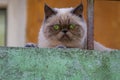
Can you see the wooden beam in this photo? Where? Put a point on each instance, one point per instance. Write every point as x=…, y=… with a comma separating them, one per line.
x=90, y=24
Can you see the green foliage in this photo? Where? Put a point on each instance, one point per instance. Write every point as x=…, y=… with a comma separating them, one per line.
x=58, y=64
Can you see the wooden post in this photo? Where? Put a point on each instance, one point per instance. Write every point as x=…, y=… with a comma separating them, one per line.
x=90, y=24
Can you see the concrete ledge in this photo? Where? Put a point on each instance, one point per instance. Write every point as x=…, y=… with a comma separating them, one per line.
x=58, y=64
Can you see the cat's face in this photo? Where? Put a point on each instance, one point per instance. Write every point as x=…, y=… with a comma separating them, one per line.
x=64, y=25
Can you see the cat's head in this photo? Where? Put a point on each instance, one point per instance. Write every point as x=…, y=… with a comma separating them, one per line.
x=64, y=24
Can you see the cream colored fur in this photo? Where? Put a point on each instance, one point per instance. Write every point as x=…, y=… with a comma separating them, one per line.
x=46, y=43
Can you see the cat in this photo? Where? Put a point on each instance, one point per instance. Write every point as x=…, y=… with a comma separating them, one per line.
x=65, y=27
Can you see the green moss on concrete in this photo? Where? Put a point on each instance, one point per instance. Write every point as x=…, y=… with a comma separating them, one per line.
x=58, y=64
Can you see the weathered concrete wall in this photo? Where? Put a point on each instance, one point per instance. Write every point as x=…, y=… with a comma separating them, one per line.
x=16, y=21
x=58, y=64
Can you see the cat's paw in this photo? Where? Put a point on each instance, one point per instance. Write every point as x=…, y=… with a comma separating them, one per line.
x=31, y=45
x=61, y=46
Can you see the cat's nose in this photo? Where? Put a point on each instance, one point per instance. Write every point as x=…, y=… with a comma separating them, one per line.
x=64, y=31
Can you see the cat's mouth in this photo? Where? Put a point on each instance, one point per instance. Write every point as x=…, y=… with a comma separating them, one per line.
x=65, y=38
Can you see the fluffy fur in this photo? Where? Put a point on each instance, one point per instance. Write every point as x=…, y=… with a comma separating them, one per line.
x=73, y=38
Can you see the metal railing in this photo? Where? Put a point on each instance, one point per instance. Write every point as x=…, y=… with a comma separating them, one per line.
x=90, y=24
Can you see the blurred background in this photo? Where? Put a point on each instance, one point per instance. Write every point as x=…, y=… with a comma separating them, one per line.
x=20, y=20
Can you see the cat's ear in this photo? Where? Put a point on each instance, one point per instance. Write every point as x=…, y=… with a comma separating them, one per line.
x=78, y=10
x=48, y=11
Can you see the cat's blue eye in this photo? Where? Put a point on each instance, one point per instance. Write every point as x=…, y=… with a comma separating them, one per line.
x=71, y=26
x=56, y=27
